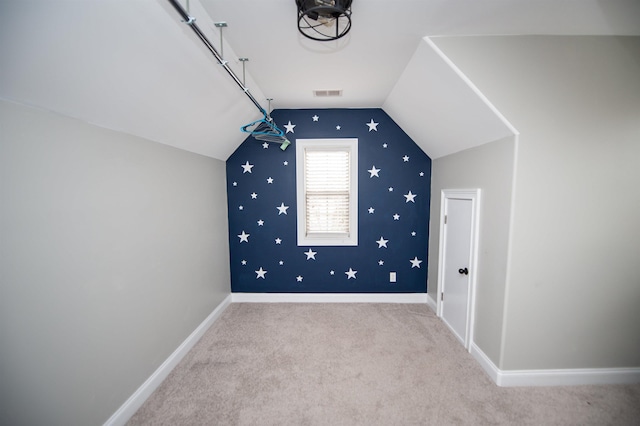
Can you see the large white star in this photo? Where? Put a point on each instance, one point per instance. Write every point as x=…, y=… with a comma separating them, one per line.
x=415, y=263
x=410, y=197
x=382, y=242
x=373, y=171
x=373, y=125
x=244, y=237
x=260, y=273
x=282, y=209
x=351, y=274
x=246, y=168
x=311, y=254
x=289, y=127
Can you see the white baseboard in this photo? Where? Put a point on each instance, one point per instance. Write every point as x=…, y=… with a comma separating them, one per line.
x=329, y=297
x=559, y=377
x=431, y=302
x=135, y=401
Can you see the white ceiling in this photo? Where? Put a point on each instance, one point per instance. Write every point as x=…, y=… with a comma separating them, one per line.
x=132, y=66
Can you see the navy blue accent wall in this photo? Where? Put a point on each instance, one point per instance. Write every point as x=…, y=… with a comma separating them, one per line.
x=393, y=210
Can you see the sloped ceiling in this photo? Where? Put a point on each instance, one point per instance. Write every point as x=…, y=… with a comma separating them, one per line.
x=134, y=67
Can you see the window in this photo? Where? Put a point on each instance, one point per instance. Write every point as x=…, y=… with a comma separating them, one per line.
x=327, y=190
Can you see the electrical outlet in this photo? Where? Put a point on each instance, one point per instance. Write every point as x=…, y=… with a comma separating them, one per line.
x=392, y=277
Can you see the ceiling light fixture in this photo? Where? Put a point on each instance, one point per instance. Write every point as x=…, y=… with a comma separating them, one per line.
x=324, y=20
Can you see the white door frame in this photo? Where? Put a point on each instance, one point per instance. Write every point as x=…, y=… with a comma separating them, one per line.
x=474, y=196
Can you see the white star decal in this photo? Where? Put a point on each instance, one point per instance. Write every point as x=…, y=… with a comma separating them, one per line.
x=278, y=241
x=413, y=233
x=332, y=272
x=244, y=237
x=260, y=222
x=373, y=171
x=380, y=262
x=281, y=263
x=282, y=209
x=421, y=174
x=384, y=145
x=405, y=158
x=311, y=254
x=286, y=163
x=269, y=179
x=382, y=242
x=371, y=210
x=246, y=167
x=289, y=127
x=396, y=216
x=260, y=273
x=315, y=118
x=240, y=207
x=235, y=184
x=254, y=195
x=265, y=145
x=351, y=274
x=244, y=262
x=338, y=127
x=391, y=189
x=410, y=197
x=372, y=125
x=299, y=278
x=415, y=263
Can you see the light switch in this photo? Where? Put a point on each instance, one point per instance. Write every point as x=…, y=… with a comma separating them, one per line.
x=392, y=277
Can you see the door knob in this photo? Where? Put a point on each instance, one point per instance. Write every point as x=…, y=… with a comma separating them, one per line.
x=464, y=271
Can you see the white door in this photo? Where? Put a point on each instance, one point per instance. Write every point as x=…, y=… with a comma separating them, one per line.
x=457, y=249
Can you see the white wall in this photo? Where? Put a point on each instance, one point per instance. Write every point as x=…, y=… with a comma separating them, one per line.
x=490, y=168
x=113, y=249
x=573, y=293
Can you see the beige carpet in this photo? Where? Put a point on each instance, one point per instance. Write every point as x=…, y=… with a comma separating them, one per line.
x=357, y=364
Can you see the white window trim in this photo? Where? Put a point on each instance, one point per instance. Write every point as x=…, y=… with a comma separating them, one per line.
x=327, y=240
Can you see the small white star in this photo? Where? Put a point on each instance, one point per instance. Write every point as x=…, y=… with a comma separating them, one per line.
x=289, y=127
x=299, y=278
x=374, y=172
x=410, y=197
x=405, y=158
x=332, y=272
x=351, y=274
x=246, y=168
x=281, y=263
x=415, y=263
x=380, y=262
x=286, y=163
x=244, y=237
x=254, y=195
x=260, y=273
x=421, y=174
x=278, y=241
x=315, y=118
x=235, y=184
x=382, y=242
x=260, y=222
x=311, y=254
x=338, y=127
x=384, y=145
x=391, y=189
x=371, y=210
x=244, y=262
x=240, y=207
x=282, y=209
x=413, y=233
x=396, y=216
x=373, y=125
x=265, y=145
x=269, y=179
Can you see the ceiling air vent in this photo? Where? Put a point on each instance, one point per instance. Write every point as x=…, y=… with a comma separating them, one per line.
x=327, y=93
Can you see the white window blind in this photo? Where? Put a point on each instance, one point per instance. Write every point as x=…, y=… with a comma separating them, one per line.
x=327, y=190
